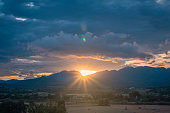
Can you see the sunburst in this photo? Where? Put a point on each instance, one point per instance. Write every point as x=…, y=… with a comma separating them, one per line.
x=87, y=72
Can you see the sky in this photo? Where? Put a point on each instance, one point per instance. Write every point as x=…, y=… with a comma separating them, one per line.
x=41, y=37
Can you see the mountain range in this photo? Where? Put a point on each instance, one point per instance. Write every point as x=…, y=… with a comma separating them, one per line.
x=126, y=77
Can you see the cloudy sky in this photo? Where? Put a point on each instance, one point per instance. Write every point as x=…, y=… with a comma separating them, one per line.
x=40, y=37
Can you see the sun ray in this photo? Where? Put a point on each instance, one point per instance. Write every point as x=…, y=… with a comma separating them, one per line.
x=74, y=82
x=96, y=82
x=85, y=81
x=85, y=86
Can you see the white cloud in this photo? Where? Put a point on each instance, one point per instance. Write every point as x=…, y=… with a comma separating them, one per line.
x=159, y=60
x=30, y=4
x=159, y=1
x=27, y=61
x=162, y=2
x=21, y=19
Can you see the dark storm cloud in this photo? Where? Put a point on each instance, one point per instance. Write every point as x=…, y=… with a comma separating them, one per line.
x=114, y=14
x=24, y=22
x=109, y=45
x=142, y=18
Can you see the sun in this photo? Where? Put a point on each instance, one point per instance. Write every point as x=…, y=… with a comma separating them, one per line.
x=87, y=72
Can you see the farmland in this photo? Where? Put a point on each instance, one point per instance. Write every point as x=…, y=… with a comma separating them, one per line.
x=90, y=108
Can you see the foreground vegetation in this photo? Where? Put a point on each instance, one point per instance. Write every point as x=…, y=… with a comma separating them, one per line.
x=51, y=100
x=21, y=107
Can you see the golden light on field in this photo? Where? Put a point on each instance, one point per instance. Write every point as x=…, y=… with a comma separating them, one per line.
x=87, y=72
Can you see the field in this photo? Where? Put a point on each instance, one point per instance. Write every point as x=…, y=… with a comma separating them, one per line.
x=87, y=108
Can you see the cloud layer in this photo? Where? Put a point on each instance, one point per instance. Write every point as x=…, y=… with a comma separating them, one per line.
x=109, y=45
x=110, y=33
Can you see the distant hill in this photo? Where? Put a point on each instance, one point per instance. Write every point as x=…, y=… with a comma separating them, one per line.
x=138, y=77
x=1, y=81
x=126, y=77
x=58, y=80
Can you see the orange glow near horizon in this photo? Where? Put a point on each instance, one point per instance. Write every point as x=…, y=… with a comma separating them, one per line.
x=11, y=77
x=87, y=72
